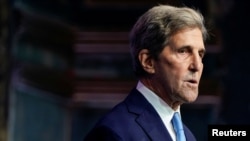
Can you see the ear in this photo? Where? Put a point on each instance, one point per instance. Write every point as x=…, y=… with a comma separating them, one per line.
x=146, y=61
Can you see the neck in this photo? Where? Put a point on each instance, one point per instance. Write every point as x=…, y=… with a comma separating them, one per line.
x=158, y=90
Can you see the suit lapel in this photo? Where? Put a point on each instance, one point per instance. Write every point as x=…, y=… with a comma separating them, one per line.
x=189, y=135
x=147, y=118
x=153, y=126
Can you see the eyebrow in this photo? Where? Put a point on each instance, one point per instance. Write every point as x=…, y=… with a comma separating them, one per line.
x=190, y=47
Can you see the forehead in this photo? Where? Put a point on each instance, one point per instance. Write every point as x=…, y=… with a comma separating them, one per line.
x=188, y=37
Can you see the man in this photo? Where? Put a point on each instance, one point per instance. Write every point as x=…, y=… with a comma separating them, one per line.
x=167, y=47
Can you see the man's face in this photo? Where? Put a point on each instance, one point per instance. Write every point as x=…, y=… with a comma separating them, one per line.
x=179, y=68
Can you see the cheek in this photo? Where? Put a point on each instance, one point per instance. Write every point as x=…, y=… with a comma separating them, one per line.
x=178, y=71
x=173, y=76
x=171, y=69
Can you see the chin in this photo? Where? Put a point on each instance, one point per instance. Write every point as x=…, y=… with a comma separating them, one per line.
x=191, y=97
x=191, y=100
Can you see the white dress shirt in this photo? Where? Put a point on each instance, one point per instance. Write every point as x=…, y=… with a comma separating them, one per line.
x=163, y=109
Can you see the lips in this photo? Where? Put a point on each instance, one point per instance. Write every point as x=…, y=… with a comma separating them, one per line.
x=192, y=81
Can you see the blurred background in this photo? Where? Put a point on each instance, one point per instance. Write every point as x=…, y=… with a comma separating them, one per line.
x=64, y=63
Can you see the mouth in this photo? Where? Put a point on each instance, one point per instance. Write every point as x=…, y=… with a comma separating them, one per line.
x=192, y=81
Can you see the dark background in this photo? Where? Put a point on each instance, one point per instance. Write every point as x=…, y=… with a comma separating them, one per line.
x=64, y=63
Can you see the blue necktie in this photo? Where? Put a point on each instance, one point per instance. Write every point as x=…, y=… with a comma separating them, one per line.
x=177, y=124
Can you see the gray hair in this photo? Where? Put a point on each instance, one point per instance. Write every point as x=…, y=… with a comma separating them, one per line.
x=155, y=27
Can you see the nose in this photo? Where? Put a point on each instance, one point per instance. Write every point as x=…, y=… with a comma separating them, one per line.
x=196, y=63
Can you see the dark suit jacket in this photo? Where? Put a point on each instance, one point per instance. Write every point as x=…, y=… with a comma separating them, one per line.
x=134, y=119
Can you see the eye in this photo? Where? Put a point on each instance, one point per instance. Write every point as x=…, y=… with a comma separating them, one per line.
x=183, y=52
x=202, y=53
